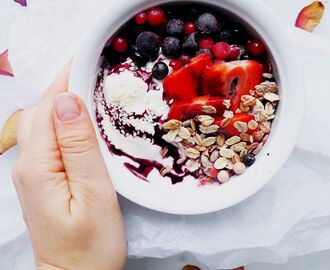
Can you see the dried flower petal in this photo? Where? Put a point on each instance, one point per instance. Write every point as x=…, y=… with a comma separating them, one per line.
x=8, y=136
x=310, y=16
x=21, y=2
x=5, y=67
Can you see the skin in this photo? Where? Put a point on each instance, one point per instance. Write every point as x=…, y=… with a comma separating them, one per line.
x=68, y=201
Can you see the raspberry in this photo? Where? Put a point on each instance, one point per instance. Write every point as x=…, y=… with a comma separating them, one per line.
x=189, y=28
x=155, y=16
x=141, y=18
x=221, y=50
x=119, y=44
x=206, y=43
x=255, y=46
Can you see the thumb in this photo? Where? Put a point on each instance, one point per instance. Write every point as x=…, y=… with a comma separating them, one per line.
x=81, y=155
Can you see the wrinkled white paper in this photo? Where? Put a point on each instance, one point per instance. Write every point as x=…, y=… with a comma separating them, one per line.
x=289, y=217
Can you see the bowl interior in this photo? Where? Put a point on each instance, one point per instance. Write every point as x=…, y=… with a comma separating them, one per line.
x=186, y=197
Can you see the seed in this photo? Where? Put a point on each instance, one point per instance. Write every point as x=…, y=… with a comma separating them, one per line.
x=193, y=124
x=214, y=156
x=198, y=139
x=209, y=141
x=228, y=114
x=245, y=137
x=200, y=148
x=192, y=153
x=248, y=101
x=209, y=130
x=257, y=136
x=257, y=150
x=265, y=127
x=233, y=140
x=205, y=161
x=209, y=109
x=223, y=176
x=241, y=126
x=220, y=163
x=262, y=116
x=220, y=140
x=252, y=125
x=207, y=123
x=258, y=107
x=271, y=97
x=243, y=153
x=184, y=133
x=204, y=117
x=236, y=158
x=227, y=153
x=225, y=122
x=172, y=124
x=244, y=108
x=239, y=168
x=165, y=171
x=227, y=103
x=238, y=147
x=191, y=131
x=171, y=135
x=192, y=165
x=178, y=139
x=251, y=147
x=213, y=148
x=269, y=108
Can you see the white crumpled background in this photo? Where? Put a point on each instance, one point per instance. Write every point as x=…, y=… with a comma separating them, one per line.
x=289, y=217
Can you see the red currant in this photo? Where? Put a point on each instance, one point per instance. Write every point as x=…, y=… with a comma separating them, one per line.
x=234, y=52
x=175, y=64
x=119, y=44
x=206, y=43
x=221, y=50
x=141, y=18
x=255, y=46
x=155, y=16
x=189, y=28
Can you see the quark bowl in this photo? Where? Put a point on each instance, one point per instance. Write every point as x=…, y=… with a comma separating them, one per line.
x=186, y=198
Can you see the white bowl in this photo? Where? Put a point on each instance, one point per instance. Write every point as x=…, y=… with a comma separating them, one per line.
x=187, y=197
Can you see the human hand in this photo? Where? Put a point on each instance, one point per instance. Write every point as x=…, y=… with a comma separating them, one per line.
x=66, y=194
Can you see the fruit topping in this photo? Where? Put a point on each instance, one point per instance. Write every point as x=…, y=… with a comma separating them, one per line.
x=207, y=24
x=175, y=27
x=155, y=16
x=221, y=50
x=206, y=43
x=231, y=79
x=228, y=36
x=137, y=57
x=255, y=46
x=186, y=109
x=160, y=70
x=249, y=160
x=235, y=52
x=171, y=47
x=175, y=64
x=189, y=28
x=148, y=44
x=205, y=51
x=190, y=45
x=119, y=44
x=141, y=18
x=184, y=83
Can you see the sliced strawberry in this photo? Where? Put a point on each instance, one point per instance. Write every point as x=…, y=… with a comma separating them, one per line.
x=229, y=128
x=218, y=79
x=183, y=84
x=185, y=109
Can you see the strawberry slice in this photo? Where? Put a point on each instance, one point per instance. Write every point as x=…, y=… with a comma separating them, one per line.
x=229, y=128
x=219, y=79
x=183, y=84
x=185, y=109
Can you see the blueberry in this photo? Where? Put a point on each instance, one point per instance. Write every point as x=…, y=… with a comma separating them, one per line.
x=138, y=58
x=171, y=47
x=207, y=51
x=249, y=159
x=190, y=46
x=245, y=56
x=207, y=24
x=175, y=27
x=227, y=36
x=160, y=70
x=148, y=44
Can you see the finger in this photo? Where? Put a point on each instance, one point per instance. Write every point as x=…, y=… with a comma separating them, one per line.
x=81, y=155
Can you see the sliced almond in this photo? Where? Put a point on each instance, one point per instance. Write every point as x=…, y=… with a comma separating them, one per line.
x=241, y=126
x=172, y=124
x=209, y=130
x=252, y=125
x=184, y=133
x=192, y=165
x=233, y=140
x=209, y=109
x=271, y=97
x=192, y=153
x=227, y=153
x=209, y=141
x=220, y=163
x=171, y=134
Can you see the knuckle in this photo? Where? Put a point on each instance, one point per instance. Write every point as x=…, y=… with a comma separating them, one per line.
x=76, y=141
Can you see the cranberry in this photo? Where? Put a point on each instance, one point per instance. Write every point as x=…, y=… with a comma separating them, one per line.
x=255, y=46
x=155, y=16
x=175, y=64
x=141, y=18
x=206, y=43
x=189, y=28
x=221, y=50
x=119, y=44
x=234, y=52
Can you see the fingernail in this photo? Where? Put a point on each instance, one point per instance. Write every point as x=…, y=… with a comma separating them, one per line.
x=67, y=108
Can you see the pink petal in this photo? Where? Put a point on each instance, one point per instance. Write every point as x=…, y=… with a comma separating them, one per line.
x=5, y=68
x=310, y=16
x=21, y=2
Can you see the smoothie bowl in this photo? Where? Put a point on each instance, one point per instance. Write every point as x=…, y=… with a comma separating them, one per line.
x=195, y=104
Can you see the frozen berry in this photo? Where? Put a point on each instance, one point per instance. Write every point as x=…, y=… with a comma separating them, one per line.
x=184, y=58
x=189, y=28
x=205, y=51
x=141, y=18
x=171, y=47
x=249, y=159
x=227, y=36
x=255, y=46
x=138, y=58
x=221, y=50
x=175, y=27
x=160, y=70
x=147, y=43
x=245, y=56
x=206, y=43
x=155, y=16
x=235, y=52
x=190, y=45
x=207, y=24
x=119, y=44
x=175, y=64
